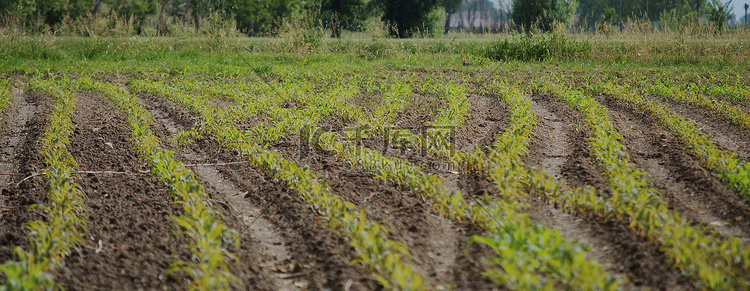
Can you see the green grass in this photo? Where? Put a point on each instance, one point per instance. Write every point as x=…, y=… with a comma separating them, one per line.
x=657, y=53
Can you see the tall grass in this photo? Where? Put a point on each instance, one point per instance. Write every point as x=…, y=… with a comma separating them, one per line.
x=524, y=47
x=97, y=38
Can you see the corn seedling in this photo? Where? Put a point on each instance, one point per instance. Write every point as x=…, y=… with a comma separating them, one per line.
x=376, y=252
x=201, y=222
x=51, y=240
x=717, y=263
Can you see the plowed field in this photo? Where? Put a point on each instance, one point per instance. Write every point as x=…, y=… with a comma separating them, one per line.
x=323, y=182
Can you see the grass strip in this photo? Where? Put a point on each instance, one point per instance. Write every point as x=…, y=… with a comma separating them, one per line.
x=732, y=91
x=315, y=104
x=5, y=97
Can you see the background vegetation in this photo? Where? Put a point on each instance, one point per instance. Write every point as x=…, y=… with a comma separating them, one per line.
x=322, y=39
x=398, y=18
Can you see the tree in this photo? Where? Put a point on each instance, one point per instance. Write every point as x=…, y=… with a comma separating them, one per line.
x=451, y=6
x=51, y=11
x=403, y=17
x=530, y=12
x=340, y=14
x=543, y=13
x=610, y=15
x=719, y=12
x=138, y=9
x=261, y=17
x=594, y=10
x=563, y=10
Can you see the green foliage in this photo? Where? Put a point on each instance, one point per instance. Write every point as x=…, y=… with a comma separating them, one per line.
x=614, y=11
x=733, y=170
x=718, y=12
x=610, y=15
x=538, y=48
x=396, y=99
x=563, y=261
x=679, y=18
x=262, y=17
x=693, y=96
x=338, y=15
x=301, y=35
x=510, y=231
x=563, y=11
x=542, y=14
x=138, y=9
x=5, y=97
x=528, y=13
x=405, y=18
x=732, y=91
x=49, y=12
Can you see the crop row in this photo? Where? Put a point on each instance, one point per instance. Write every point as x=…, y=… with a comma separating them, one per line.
x=457, y=106
x=5, y=97
x=530, y=256
x=52, y=240
x=731, y=93
x=201, y=221
x=717, y=264
x=506, y=168
x=394, y=100
x=435, y=136
x=695, y=98
x=510, y=271
x=312, y=105
x=730, y=90
x=377, y=253
x=736, y=172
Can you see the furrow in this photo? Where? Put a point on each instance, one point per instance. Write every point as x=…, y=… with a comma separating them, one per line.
x=25, y=121
x=377, y=252
x=689, y=188
x=128, y=212
x=560, y=148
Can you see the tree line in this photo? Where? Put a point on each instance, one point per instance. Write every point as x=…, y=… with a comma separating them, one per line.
x=402, y=18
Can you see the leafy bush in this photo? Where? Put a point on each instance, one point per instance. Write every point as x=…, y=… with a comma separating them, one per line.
x=537, y=48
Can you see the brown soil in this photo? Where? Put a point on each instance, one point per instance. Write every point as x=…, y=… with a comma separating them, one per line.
x=727, y=136
x=487, y=118
x=221, y=103
x=281, y=249
x=131, y=238
x=439, y=247
x=561, y=150
x=21, y=158
x=432, y=239
x=690, y=188
x=422, y=108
